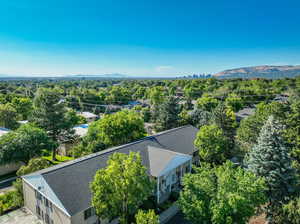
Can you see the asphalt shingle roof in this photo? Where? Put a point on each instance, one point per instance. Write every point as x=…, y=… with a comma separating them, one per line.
x=70, y=181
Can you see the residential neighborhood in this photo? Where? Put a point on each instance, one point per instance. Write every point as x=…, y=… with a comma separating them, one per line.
x=149, y=112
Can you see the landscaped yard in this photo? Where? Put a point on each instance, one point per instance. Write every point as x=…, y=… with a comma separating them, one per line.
x=59, y=159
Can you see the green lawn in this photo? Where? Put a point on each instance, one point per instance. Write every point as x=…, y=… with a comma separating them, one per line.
x=59, y=159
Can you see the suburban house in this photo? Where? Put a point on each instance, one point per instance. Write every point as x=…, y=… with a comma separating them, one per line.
x=244, y=113
x=61, y=194
x=79, y=132
x=90, y=117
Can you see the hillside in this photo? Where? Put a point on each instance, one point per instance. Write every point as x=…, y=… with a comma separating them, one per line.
x=264, y=71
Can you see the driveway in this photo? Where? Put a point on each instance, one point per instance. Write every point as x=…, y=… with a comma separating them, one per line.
x=20, y=216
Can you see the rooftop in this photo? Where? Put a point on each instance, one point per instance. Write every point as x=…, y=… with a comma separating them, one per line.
x=70, y=180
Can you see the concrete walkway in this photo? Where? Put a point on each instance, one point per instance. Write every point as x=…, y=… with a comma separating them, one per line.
x=20, y=216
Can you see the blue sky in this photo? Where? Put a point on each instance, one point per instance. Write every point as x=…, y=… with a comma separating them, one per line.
x=153, y=37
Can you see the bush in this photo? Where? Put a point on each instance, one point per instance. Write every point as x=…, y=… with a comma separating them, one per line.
x=8, y=201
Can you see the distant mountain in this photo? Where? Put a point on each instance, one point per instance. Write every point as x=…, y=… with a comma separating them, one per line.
x=263, y=71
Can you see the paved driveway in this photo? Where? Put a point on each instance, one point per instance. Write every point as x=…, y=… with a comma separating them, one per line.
x=20, y=216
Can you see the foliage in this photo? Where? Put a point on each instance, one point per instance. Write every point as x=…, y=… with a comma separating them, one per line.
x=270, y=159
x=207, y=103
x=33, y=165
x=249, y=129
x=212, y=144
x=120, y=188
x=291, y=211
x=168, y=114
x=113, y=129
x=8, y=116
x=234, y=102
x=146, y=217
x=223, y=194
x=8, y=201
x=51, y=114
x=23, y=106
x=292, y=130
x=200, y=117
x=225, y=119
x=23, y=144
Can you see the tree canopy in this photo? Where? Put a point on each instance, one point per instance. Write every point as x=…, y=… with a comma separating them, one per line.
x=120, y=188
x=212, y=144
x=222, y=194
x=23, y=144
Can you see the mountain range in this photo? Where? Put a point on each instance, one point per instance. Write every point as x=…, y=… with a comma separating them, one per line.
x=262, y=71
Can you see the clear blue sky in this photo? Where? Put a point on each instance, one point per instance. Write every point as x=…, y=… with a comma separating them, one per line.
x=150, y=37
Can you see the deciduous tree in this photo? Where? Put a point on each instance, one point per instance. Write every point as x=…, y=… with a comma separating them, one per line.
x=120, y=188
x=223, y=194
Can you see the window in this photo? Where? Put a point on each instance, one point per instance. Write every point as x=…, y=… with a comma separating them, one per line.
x=46, y=202
x=50, y=206
x=38, y=210
x=87, y=213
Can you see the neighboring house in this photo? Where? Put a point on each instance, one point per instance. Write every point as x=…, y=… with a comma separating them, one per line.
x=61, y=194
x=23, y=122
x=90, y=117
x=80, y=131
x=244, y=113
x=281, y=98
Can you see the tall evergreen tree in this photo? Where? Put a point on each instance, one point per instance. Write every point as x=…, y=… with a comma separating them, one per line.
x=51, y=114
x=270, y=159
x=168, y=116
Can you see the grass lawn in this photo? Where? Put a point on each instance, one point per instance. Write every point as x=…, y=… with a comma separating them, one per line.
x=59, y=159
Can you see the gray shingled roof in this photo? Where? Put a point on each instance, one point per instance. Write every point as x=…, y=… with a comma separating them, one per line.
x=70, y=181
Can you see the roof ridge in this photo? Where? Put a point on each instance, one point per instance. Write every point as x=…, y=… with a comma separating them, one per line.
x=106, y=151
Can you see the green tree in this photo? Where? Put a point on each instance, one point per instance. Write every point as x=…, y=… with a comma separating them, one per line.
x=33, y=165
x=223, y=194
x=8, y=116
x=212, y=144
x=156, y=95
x=292, y=130
x=291, y=211
x=270, y=159
x=23, y=106
x=234, y=102
x=120, y=188
x=111, y=130
x=225, y=119
x=249, y=129
x=200, y=117
x=51, y=114
x=207, y=103
x=146, y=217
x=168, y=114
x=23, y=144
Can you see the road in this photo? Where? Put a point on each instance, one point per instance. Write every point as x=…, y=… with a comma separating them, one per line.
x=7, y=184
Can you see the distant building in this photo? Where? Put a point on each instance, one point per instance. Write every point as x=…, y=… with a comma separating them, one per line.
x=80, y=131
x=281, y=98
x=90, y=117
x=244, y=113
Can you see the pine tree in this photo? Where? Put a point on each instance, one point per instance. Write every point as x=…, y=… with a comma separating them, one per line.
x=168, y=114
x=270, y=159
